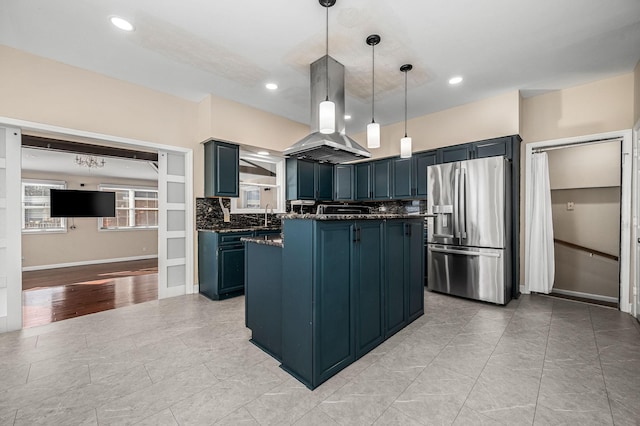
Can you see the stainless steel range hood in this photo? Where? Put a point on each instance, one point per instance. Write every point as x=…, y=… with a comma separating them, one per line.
x=335, y=147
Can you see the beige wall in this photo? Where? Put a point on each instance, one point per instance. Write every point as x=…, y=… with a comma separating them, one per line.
x=590, y=166
x=602, y=106
x=86, y=243
x=485, y=119
x=578, y=271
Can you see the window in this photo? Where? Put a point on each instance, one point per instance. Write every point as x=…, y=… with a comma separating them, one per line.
x=36, y=208
x=136, y=208
x=261, y=184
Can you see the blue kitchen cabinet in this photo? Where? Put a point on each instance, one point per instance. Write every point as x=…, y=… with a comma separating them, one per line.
x=501, y=147
x=421, y=161
x=404, y=292
x=343, y=182
x=402, y=173
x=368, y=284
x=263, y=296
x=450, y=154
x=363, y=181
x=324, y=181
x=308, y=180
x=381, y=179
x=221, y=262
x=221, y=169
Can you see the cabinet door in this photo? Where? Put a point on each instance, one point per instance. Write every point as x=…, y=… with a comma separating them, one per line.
x=493, y=148
x=381, y=176
x=231, y=274
x=414, y=251
x=301, y=179
x=324, y=182
x=207, y=268
x=221, y=169
x=402, y=171
x=369, y=286
x=455, y=153
x=421, y=162
x=333, y=313
x=395, y=300
x=343, y=182
x=363, y=181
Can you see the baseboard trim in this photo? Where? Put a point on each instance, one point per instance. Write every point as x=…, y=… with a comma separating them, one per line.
x=88, y=262
x=585, y=295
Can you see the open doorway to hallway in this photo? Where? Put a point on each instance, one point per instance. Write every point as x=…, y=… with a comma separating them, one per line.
x=74, y=266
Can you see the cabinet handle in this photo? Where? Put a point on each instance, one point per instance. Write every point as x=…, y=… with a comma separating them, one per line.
x=356, y=235
x=407, y=229
x=370, y=194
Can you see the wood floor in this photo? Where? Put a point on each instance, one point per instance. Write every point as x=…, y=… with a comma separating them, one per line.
x=56, y=294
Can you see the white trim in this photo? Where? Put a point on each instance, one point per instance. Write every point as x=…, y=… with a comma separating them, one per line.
x=176, y=206
x=3, y=203
x=3, y=163
x=176, y=262
x=88, y=262
x=625, y=201
x=175, y=179
x=585, y=295
x=4, y=243
x=635, y=230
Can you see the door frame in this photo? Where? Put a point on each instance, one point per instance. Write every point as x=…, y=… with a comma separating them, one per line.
x=626, y=261
x=635, y=196
x=51, y=130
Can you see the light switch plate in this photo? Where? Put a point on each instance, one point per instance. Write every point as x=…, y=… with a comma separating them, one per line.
x=570, y=205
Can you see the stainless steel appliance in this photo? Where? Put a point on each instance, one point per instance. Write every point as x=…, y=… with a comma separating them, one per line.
x=468, y=239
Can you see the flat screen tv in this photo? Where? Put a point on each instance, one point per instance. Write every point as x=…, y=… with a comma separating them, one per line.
x=75, y=203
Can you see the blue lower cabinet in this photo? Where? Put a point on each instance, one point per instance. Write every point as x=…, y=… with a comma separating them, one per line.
x=263, y=296
x=334, y=285
x=221, y=263
x=405, y=273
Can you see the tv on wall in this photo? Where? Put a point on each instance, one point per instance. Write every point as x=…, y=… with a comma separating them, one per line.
x=77, y=203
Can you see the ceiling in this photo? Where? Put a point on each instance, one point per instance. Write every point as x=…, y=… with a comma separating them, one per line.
x=231, y=49
x=64, y=163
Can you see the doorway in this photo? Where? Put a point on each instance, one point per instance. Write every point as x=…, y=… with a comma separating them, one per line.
x=622, y=225
x=175, y=212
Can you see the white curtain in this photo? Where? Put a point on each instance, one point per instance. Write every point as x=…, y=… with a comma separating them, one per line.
x=539, y=254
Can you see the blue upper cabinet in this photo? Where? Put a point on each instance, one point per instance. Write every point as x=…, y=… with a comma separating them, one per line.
x=493, y=147
x=221, y=169
x=343, y=182
x=308, y=180
x=402, y=173
x=381, y=179
x=324, y=181
x=363, y=185
x=450, y=154
x=420, y=163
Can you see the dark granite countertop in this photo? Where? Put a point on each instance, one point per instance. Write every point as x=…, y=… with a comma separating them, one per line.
x=247, y=229
x=377, y=216
x=269, y=240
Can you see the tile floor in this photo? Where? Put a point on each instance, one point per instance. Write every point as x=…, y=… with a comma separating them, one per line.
x=187, y=360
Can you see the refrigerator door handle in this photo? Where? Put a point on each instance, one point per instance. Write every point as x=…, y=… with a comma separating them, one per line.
x=456, y=206
x=464, y=252
x=463, y=203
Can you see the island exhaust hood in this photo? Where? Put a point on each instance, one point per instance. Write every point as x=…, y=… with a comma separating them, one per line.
x=335, y=147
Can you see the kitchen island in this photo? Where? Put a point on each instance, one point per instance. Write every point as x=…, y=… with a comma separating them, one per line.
x=348, y=283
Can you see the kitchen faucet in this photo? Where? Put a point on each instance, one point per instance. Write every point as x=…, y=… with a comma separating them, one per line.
x=265, y=214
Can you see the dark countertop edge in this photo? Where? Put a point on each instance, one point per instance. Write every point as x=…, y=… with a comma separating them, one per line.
x=268, y=240
x=250, y=229
x=311, y=216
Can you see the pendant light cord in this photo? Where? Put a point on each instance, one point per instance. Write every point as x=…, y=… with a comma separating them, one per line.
x=327, y=54
x=373, y=80
x=405, y=104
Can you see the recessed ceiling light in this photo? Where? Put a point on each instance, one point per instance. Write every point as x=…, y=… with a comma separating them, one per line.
x=271, y=86
x=347, y=117
x=122, y=23
x=455, y=80
x=263, y=152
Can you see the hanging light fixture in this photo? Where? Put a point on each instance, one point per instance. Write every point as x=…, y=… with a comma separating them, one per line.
x=90, y=161
x=405, y=142
x=327, y=110
x=373, y=128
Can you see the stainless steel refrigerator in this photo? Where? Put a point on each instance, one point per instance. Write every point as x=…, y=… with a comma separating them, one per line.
x=468, y=239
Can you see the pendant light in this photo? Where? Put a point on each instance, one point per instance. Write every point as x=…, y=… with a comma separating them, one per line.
x=327, y=109
x=373, y=128
x=405, y=142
